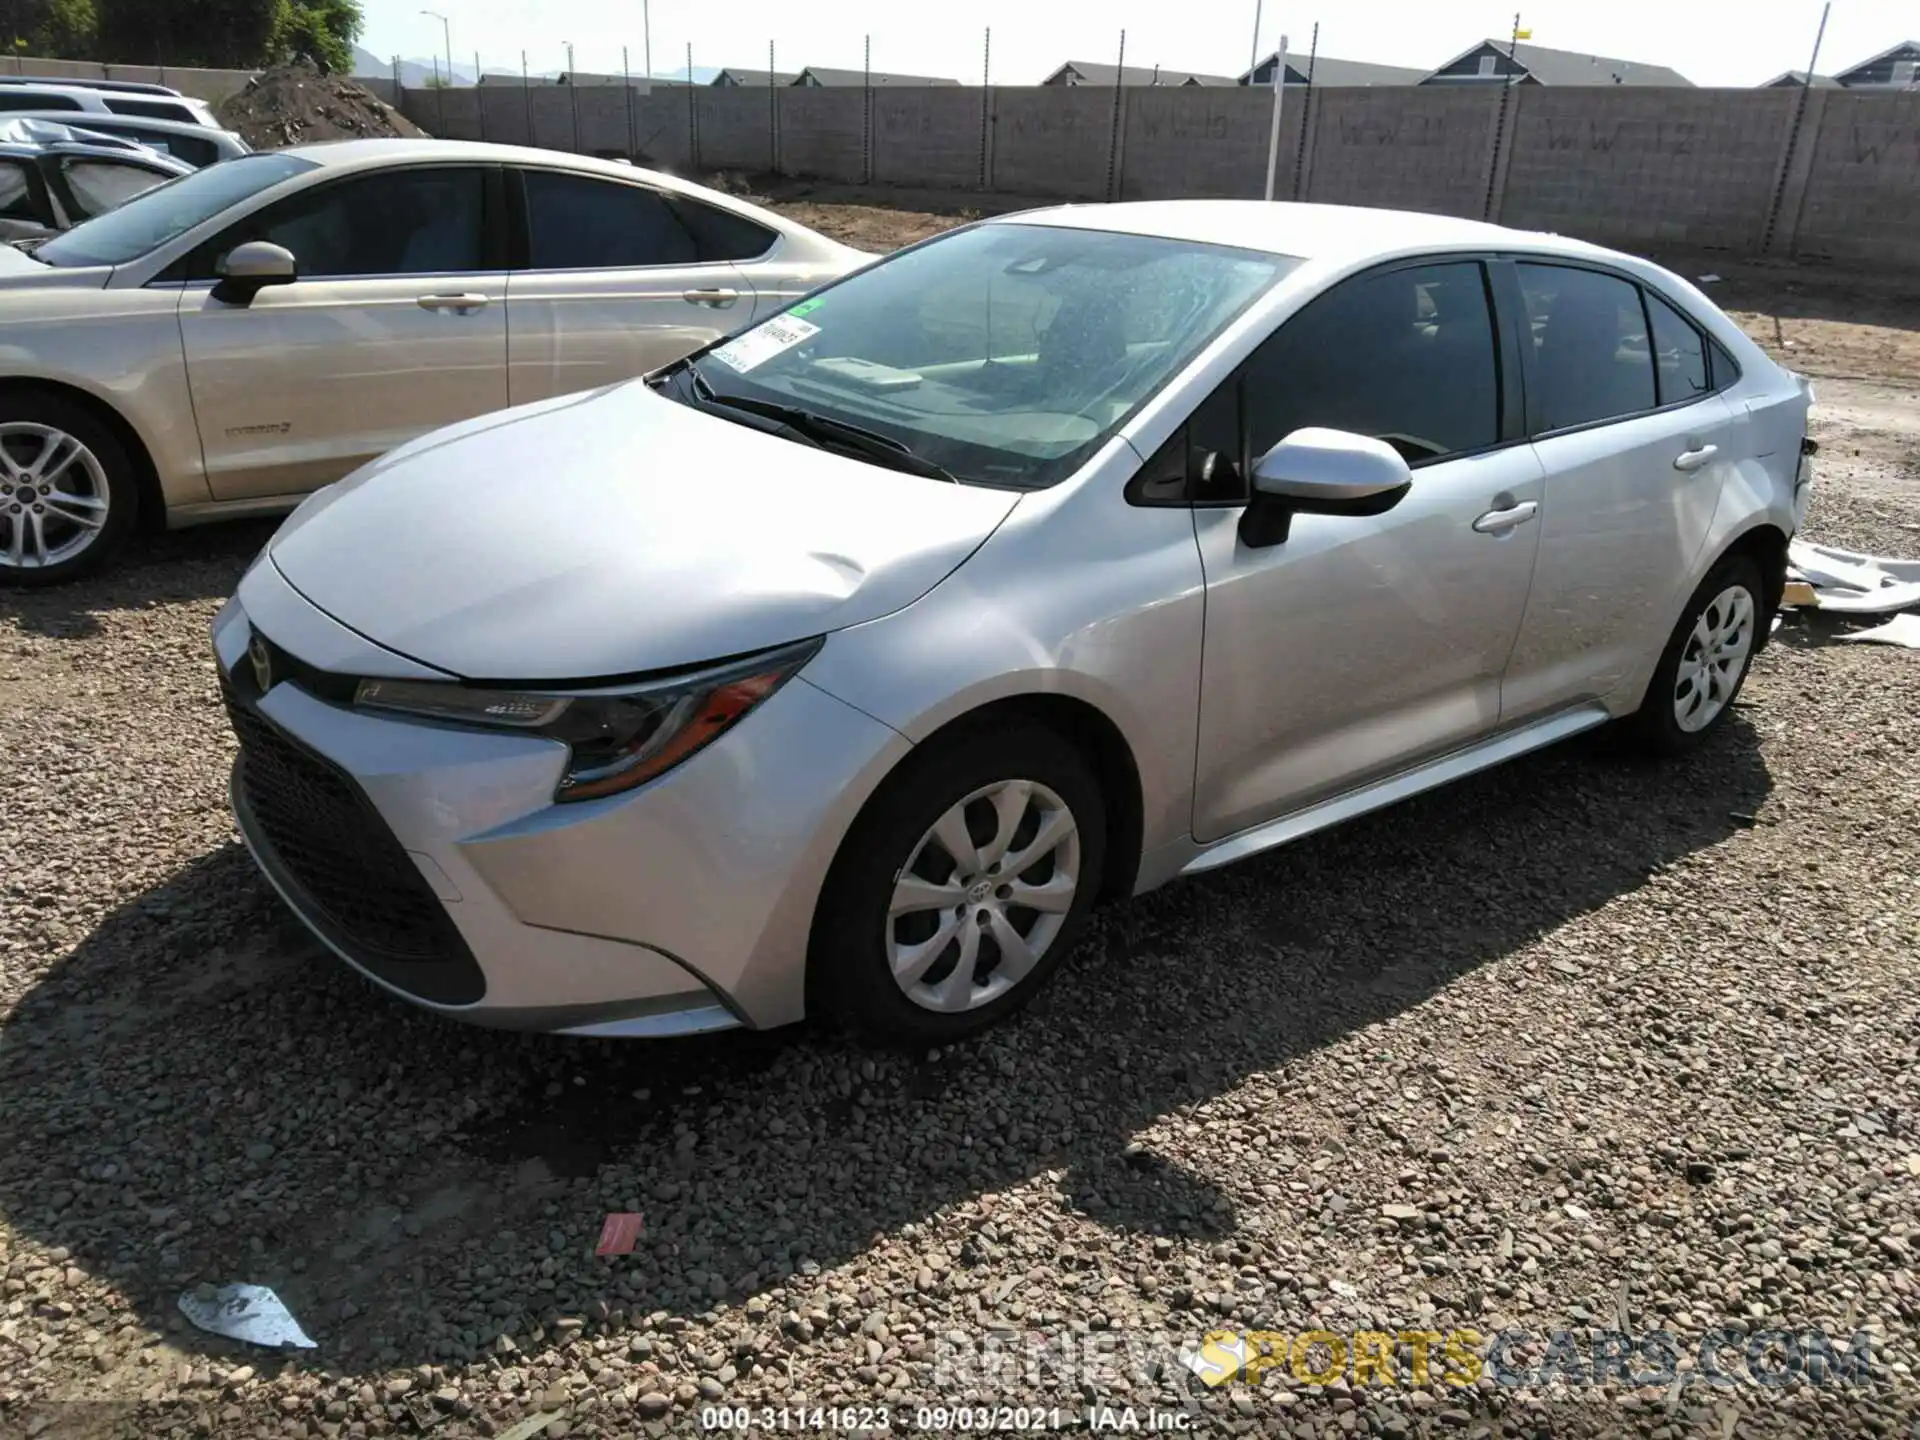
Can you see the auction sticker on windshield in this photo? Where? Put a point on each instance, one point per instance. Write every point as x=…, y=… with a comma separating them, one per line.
x=763, y=342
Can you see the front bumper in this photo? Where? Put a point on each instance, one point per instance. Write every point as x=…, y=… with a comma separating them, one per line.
x=434, y=861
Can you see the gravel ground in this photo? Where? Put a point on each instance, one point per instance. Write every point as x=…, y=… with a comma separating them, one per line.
x=1576, y=1040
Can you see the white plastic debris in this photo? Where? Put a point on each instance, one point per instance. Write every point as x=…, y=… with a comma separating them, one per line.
x=1709, y=279
x=531, y=1426
x=1850, y=583
x=1882, y=601
x=252, y=1313
x=1801, y=551
x=1900, y=630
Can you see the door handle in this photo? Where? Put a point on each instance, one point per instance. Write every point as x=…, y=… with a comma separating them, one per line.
x=461, y=303
x=1495, y=521
x=1696, y=457
x=718, y=299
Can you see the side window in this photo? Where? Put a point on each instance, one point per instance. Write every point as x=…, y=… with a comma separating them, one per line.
x=1407, y=356
x=16, y=193
x=720, y=234
x=1679, y=354
x=98, y=186
x=1592, y=359
x=396, y=222
x=577, y=223
x=151, y=109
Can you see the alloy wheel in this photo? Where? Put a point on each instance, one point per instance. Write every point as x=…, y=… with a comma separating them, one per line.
x=53, y=495
x=1714, y=659
x=983, y=897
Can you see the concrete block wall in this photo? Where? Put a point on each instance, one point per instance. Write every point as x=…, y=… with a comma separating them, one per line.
x=1403, y=149
x=736, y=127
x=1645, y=167
x=1861, y=200
x=823, y=133
x=1206, y=142
x=929, y=136
x=212, y=86
x=1637, y=168
x=1052, y=140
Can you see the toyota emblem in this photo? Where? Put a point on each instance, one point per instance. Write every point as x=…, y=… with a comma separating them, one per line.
x=262, y=663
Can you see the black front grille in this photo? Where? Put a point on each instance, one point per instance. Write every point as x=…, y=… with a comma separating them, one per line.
x=345, y=871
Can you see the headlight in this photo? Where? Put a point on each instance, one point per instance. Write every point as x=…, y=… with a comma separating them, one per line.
x=616, y=739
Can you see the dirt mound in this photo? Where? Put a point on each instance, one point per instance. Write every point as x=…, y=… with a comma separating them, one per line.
x=296, y=104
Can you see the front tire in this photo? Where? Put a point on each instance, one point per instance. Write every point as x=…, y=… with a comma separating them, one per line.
x=961, y=887
x=67, y=491
x=1706, y=660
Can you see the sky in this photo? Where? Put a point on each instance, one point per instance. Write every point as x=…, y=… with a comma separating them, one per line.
x=1711, y=42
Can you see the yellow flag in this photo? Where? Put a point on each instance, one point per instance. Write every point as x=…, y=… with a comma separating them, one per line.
x=1523, y=34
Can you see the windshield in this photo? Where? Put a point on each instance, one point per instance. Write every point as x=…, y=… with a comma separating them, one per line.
x=168, y=211
x=1004, y=354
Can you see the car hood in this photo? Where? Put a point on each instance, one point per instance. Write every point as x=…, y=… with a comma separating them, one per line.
x=619, y=532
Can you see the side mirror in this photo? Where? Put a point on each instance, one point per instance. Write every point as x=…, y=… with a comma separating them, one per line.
x=1321, y=472
x=251, y=268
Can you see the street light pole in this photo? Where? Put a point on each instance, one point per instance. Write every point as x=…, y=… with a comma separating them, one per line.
x=446, y=34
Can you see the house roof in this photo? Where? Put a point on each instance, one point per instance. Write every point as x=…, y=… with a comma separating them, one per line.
x=1092, y=73
x=1901, y=51
x=754, y=77
x=1799, y=77
x=1570, y=67
x=826, y=75
x=1329, y=71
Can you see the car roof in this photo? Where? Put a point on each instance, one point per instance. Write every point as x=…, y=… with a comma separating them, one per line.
x=366, y=154
x=1335, y=233
x=349, y=154
x=75, y=82
x=54, y=87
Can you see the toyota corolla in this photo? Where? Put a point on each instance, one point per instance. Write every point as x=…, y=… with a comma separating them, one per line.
x=842, y=666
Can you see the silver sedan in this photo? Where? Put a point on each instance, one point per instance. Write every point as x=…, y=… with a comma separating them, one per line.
x=844, y=665
x=225, y=344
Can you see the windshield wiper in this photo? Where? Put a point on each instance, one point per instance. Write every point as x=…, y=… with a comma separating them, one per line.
x=824, y=429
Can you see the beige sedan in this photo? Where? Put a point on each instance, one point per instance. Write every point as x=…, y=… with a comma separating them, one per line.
x=227, y=343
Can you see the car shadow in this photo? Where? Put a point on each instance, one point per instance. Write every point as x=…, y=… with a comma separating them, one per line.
x=204, y=562
x=197, y=1093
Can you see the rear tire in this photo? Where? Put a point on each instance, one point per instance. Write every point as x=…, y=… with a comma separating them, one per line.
x=1706, y=661
x=915, y=945
x=68, y=491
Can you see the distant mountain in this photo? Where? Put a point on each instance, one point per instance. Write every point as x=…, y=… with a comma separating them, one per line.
x=413, y=73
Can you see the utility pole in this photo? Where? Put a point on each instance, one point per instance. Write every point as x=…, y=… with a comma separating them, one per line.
x=573, y=95
x=626, y=74
x=646, y=32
